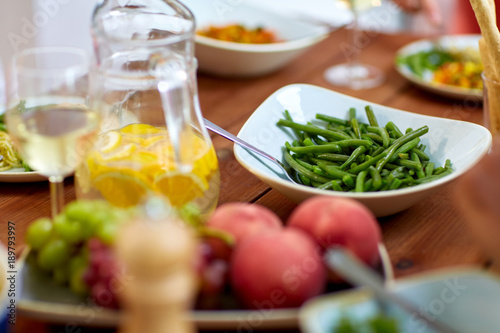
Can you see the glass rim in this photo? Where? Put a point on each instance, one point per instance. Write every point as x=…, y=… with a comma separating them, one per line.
x=78, y=68
x=486, y=78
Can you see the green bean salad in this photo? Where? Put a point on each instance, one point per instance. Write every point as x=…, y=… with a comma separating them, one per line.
x=352, y=156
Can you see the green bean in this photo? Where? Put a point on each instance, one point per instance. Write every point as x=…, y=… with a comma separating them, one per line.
x=429, y=167
x=352, y=113
x=317, y=170
x=368, y=186
x=352, y=143
x=400, y=141
x=390, y=126
x=341, y=131
x=405, y=148
x=337, y=185
x=366, y=165
x=334, y=171
x=356, y=128
x=326, y=186
x=423, y=156
x=334, y=185
x=372, y=136
x=308, y=142
x=371, y=116
x=391, y=166
x=419, y=172
x=329, y=148
x=433, y=177
x=377, y=180
x=348, y=181
x=333, y=157
x=395, y=184
x=300, y=169
x=382, y=132
x=331, y=119
x=304, y=163
x=438, y=171
x=316, y=184
x=403, y=156
x=358, y=157
x=355, y=154
x=378, y=151
x=410, y=164
x=313, y=130
x=304, y=180
x=360, y=181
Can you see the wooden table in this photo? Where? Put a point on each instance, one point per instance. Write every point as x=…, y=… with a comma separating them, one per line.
x=430, y=235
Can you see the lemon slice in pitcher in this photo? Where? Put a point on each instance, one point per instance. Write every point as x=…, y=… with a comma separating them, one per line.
x=110, y=141
x=121, y=189
x=180, y=188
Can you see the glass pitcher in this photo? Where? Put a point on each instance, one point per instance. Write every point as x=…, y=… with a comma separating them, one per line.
x=153, y=140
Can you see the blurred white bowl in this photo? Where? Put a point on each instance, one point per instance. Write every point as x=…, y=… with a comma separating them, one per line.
x=465, y=299
x=239, y=59
x=464, y=143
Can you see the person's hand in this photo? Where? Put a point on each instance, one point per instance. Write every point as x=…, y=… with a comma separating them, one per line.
x=429, y=7
x=477, y=197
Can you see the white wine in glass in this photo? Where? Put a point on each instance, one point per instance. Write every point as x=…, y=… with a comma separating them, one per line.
x=48, y=117
x=353, y=74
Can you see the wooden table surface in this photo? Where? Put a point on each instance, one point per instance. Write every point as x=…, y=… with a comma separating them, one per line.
x=430, y=235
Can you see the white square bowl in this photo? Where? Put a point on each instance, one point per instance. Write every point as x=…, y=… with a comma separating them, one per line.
x=464, y=143
x=245, y=60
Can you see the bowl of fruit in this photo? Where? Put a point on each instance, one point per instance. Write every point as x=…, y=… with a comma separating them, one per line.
x=249, y=262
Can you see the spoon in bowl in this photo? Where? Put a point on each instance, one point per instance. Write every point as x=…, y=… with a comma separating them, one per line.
x=222, y=132
x=353, y=270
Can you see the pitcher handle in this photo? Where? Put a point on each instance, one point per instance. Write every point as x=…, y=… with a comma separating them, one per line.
x=173, y=85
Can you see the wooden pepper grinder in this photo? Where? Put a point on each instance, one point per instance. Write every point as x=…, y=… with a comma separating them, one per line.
x=161, y=282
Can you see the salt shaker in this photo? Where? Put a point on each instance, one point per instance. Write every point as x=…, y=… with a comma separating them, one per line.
x=157, y=255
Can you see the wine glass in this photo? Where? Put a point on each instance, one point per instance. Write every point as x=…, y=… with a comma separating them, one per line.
x=353, y=74
x=48, y=116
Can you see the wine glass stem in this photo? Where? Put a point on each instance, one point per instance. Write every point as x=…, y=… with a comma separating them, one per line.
x=355, y=34
x=56, y=194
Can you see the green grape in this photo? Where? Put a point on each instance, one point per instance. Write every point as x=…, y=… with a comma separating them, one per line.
x=122, y=215
x=53, y=254
x=69, y=230
x=98, y=218
x=81, y=210
x=107, y=232
x=76, y=282
x=60, y=275
x=77, y=267
x=38, y=233
x=76, y=262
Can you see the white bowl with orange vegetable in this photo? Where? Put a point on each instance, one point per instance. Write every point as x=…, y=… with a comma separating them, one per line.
x=238, y=59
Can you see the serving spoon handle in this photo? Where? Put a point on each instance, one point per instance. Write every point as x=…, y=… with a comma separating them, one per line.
x=222, y=132
x=353, y=270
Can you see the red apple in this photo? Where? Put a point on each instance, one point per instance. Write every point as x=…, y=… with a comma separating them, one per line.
x=241, y=220
x=277, y=270
x=336, y=221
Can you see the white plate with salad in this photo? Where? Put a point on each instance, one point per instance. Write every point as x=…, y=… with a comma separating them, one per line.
x=8, y=158
x=18, y=175
x=449, y=66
